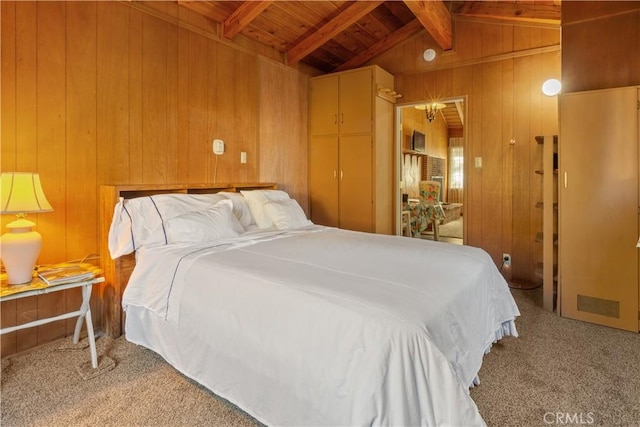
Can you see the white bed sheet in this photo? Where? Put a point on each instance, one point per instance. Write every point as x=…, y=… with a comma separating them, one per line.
x=325, y=326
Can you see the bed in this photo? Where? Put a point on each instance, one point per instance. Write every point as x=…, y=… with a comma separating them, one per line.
x=300, y=324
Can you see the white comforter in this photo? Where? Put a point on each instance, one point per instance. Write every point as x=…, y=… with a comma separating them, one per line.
x=325, y=326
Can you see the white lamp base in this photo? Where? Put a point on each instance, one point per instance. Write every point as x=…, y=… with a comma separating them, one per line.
x=19, y=250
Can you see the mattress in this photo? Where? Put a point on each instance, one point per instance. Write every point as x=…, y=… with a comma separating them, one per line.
x=322, y=326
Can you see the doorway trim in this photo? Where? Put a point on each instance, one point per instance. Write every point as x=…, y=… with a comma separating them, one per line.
x=397, y=193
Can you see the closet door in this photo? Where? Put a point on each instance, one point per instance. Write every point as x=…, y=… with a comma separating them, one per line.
x=323, y=105
x=356, y=102
x=356, y=183
x=598, y=187
x=323, y=180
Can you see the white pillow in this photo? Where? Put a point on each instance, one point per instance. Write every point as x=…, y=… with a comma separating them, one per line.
x=256, y=200
x=216, y=222
x=135, y=220
x=286, y=214
x=240, y=209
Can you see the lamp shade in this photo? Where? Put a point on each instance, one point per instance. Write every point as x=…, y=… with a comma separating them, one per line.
x=19, y=248
x=21, y=193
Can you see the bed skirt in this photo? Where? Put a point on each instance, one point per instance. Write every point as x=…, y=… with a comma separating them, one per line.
x=507, y=328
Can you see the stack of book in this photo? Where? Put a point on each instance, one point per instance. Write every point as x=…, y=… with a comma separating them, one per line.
x=58, y=274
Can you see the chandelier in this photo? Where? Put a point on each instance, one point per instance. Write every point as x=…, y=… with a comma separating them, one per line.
x=431, y=109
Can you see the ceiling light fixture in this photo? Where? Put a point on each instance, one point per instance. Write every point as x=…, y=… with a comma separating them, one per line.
x=551, y=87
x=431, y=109
x=429, y=55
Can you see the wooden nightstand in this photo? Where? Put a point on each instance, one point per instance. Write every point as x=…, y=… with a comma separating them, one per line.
x=38, y=287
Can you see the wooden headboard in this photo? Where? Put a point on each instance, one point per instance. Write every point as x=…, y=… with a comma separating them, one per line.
x=117, y=271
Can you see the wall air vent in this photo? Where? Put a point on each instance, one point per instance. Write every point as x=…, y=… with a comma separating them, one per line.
x=600, y=306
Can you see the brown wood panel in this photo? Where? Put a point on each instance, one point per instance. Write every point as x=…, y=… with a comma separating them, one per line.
x=8, y=309
x=8, y=152
x=156, y=147
x=172, y=142
x=26, y=86
x=246, y=136
x=523, y=253
x=112, y=91
x=8, y=317
x=199, y=144
x=136, y=106
x=609, y=59
x=573, y=12
x=8, y=83
x=473, y=191
x=213, y=104
x=283, y=140
x=507, y=165
x=51, y=136
x=494, y=146
x=81, y=156
x=492, y=40
x=26, y=144
x=27, y=311
x=183, y=113
x=226, y=80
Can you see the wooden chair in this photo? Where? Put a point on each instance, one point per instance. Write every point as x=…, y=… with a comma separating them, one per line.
x=432, y=212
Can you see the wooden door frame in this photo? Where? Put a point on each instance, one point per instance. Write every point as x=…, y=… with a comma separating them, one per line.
x=397, y=194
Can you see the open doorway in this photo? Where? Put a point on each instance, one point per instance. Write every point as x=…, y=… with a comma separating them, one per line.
x=431, y=148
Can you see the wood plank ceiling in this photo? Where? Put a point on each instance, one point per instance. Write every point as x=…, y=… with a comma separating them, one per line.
x=340, y=35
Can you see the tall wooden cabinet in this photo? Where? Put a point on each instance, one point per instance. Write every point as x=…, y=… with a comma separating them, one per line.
x=599, y=206
x=351, y=150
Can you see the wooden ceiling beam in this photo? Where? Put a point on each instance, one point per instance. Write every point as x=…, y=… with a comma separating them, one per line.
x=536, y=12
x=242, y=17
x=342, y=21
x=460, y=113
x=383, y=45
x=435, y=18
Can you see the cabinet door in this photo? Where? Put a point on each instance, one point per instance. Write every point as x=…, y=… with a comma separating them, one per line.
x=356, y=108
x=356, y=189
x=599, y=207
x=323, y=180
x=323, y=105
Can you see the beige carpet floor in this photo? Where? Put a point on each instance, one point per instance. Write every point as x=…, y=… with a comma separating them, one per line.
x=452, y=229
x=558, y=370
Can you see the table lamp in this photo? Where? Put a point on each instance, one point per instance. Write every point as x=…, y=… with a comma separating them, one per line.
x=21, y=194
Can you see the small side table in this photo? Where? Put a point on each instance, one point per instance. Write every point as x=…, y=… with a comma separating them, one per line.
x=38, y=287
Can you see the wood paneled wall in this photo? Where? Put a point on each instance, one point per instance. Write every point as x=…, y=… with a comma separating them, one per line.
x=601, y=45
x=133, y=93
x=436, y=132
x=500, y=68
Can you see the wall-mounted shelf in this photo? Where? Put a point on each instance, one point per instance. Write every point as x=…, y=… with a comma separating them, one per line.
x=414, y=152
x=547, y=270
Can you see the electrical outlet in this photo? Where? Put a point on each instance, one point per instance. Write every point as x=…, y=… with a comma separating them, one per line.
x=506, y=260
x=218, y=147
